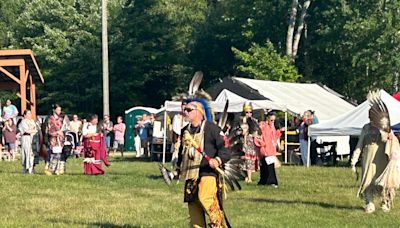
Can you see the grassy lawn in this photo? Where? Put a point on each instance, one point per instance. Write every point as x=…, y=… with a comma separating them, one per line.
x=132, y=194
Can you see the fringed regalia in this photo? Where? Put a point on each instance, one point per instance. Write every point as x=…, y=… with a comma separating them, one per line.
x=198, y=145
x=56, y=161
x=203, y=188
x=380, y=149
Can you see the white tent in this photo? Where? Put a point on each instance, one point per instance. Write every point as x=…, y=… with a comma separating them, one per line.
x=299, y=97
x=235, y=103
x=351, y=123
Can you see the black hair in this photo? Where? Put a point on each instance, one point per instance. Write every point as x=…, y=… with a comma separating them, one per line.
x=55, y=106
x=270, y=114
x=91, y=117
x=253, y=125
x=25, y=112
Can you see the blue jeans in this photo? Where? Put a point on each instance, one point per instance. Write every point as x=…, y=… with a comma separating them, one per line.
x=304, y=151
x=108, y=141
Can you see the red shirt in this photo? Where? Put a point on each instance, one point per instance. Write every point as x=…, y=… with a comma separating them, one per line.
x=10, y=136
x=268, y=140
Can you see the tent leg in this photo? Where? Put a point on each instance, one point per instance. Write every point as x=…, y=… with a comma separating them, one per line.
x=286, y=137
x=164, y=136
x=308, y=151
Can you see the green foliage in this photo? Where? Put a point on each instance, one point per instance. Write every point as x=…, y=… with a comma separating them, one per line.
x=132, y=194
x=353, y=46
x=263, y=62
x=150, y=42
x=156, y=45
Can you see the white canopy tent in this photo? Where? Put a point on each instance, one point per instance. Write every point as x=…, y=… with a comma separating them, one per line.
x=299, y=97
x=235, y=105
x=351, y=123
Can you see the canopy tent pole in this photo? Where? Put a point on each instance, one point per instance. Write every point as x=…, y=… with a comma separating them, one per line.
x=164, y=136
x=308, y=151
x=286, y=116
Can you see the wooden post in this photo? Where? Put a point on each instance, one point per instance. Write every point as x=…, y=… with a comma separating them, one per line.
x=32, y=90
x=22, y=87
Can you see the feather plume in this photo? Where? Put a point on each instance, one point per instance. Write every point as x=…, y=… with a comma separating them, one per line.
x=378, y=113
x=224, y=116
x=166, y=174
x=195, y=83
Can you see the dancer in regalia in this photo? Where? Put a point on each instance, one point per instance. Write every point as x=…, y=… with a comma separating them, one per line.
x=95, y=151
x=380, y=149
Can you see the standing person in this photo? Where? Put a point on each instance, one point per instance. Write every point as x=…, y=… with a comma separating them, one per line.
x=267, y=156
x=27, y=129
x=76, y=127
x=10, y=111
x=380, y=149
x=94, y=147
x=249, y=126
x=144, y=134
x=303, y=136
x=56, y=163
x=138, y=147
x=202, y=185
x=119, y=132
x=178, y=122
x=107, y=128
x=10, y=137
x=65, y=124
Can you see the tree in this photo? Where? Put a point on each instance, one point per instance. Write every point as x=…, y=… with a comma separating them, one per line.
x=263, y=62
x=151, y=42
x=354, y=46
x=293, y=40
x=65, y=37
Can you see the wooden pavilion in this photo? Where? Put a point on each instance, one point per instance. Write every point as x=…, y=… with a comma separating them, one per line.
x=20, y=72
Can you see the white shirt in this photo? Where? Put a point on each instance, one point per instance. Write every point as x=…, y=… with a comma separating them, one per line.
x=88, y=128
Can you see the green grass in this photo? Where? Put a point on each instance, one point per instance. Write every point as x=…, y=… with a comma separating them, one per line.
x=132, y=194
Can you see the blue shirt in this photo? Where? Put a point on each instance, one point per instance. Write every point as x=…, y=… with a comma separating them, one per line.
x=144, y=131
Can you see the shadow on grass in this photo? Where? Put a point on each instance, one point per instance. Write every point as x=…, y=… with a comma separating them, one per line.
x=129, y=159
x=320, y=204
x=90, y=224
x=155, y=177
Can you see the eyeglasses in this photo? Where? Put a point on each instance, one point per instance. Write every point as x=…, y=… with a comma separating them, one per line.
x=249, y=112
x=188, y=109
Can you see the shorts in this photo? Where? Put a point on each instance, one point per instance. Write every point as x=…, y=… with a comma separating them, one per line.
x=10, y=146
x=118, y=144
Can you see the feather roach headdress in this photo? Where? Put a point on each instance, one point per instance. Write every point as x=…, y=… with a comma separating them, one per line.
x=232, y=172
x=378, y=113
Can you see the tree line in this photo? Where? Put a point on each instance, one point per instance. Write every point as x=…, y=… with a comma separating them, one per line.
x=155, y=46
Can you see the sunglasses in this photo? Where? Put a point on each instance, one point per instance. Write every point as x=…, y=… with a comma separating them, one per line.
x=249, y=112
x=188, y=109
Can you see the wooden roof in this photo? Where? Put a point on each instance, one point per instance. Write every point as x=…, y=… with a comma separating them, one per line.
x=30, y=61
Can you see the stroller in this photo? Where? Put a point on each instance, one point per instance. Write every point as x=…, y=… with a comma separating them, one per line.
x=70, y=144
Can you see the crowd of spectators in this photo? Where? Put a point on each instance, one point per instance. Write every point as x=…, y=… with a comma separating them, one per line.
x=11, y=136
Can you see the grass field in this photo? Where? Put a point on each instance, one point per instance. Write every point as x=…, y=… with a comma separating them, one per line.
x=132, y=194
